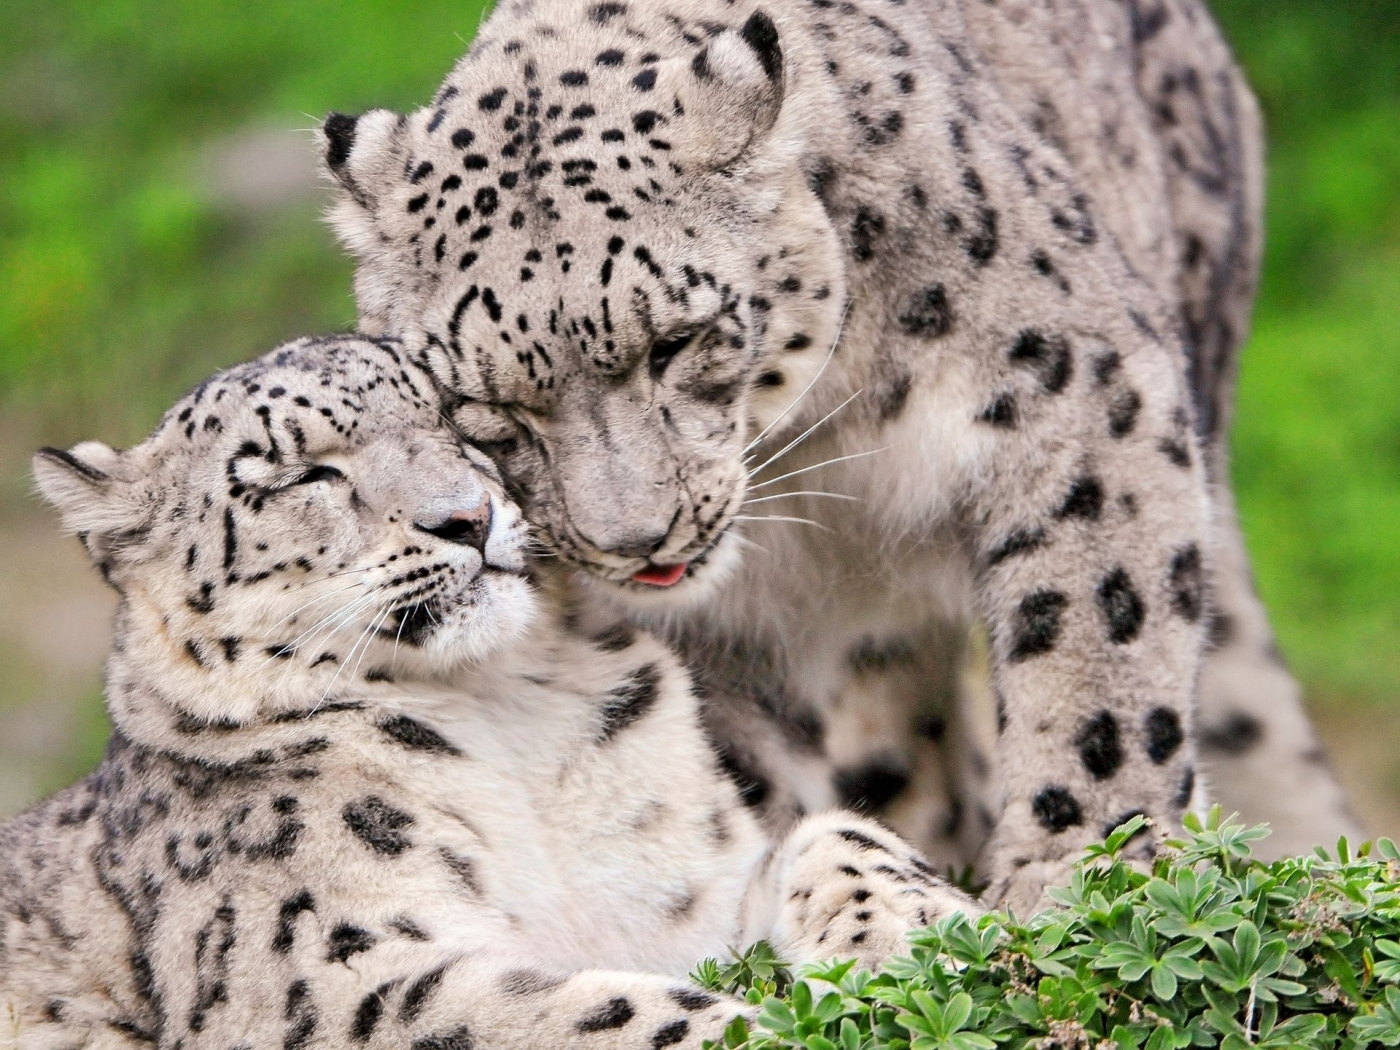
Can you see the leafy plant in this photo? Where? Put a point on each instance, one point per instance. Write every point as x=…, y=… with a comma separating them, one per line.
x=1210, y=949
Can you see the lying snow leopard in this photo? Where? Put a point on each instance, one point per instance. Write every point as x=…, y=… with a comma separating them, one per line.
x=370, y=783
x=687, y=263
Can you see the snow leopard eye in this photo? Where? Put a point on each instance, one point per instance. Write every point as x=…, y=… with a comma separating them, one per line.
x=664, y=349
x=320, y=472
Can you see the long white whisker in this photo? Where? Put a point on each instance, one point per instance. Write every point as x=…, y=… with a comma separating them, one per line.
x=840, y=326
x=778, y=517
x=370, y=632
x=348, y=657
x=787, y=495
x=816, y=466
x=803, y=436
x=344, y=615
x=314, y=601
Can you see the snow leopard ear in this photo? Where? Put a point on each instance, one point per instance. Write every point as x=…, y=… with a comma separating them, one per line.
x=731, y=93
x=362, y=153
x=91, y=501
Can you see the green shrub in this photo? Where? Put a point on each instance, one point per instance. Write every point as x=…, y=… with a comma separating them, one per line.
x=1213, y=949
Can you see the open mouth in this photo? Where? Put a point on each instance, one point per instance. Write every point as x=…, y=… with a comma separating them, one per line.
x=660, y=575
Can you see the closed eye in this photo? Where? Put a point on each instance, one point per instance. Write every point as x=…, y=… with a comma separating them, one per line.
x=664, y=349
x=320, y=472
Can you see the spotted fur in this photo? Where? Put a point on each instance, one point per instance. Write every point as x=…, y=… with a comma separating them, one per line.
x=373, y=781
x=989, y=263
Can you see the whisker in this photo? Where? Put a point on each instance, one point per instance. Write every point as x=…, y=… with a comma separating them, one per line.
x=786, y=495
x=779, y=517
x=816, y=466
x=314, y=601
x=803, y=436
x=840, y=326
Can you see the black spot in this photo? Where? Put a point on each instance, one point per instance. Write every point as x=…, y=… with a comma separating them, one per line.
x=368, y=1013
x=1018, y=542
x=486, y=201
x=1037, y=624
x=287, y=914
x=1234, y=736
x=615, y=1013
x=1057, y=809
x=1085, y=500
x=691, y=998
x=981, y=246
x=417, y=203
x=416, y=736
x=798, y=341
x=1176, y=451
x=300, y=1014
x=458, y=1039
x=1185, y=788
x=1123, y=411
x=628, y=701
x=491, y=101
x=1121, y=606
x=1001, y=412
x=475, y=162
x=871, y=787
x=347, y=940
x=761, y=34
x=927, y=313
x=1047, y=356
x=1164, y=734
x=378, y=825
x=1187, y=584
x=462, y=138
x=573, y=78
x=603, y=13
x=204, y=601
x=421, y=172
x=645, y=80
x=645, y=121
x=610, y=57
x=865, y=228
x=770, y=378
x=860, y=840
x=419, y=993
x=1100, y=749
x=674, y=1032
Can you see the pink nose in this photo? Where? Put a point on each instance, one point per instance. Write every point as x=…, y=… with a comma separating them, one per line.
x=470, y=528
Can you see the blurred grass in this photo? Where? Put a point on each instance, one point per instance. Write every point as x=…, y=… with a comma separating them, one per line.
x=127, y=276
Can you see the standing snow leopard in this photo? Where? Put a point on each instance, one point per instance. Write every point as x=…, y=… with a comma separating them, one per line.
x=372, y=784
x=982, y=268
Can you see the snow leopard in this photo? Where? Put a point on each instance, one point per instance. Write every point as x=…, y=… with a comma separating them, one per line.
x=812, y=330
x=375, y=779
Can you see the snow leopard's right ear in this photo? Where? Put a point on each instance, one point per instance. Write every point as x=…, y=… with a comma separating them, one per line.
x=363, y=153
x=91, y=499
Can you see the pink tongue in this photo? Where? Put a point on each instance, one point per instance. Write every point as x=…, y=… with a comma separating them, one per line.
x=660, y=575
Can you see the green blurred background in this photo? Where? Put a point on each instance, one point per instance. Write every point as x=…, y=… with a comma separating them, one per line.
x=159, y=218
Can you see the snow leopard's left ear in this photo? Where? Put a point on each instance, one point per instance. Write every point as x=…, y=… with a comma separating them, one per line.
x=363, y=153
x=731, y=92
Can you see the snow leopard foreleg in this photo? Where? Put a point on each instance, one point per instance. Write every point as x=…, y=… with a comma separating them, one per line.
x=843, y=886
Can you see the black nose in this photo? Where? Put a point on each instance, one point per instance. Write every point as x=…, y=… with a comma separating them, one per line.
x=470, y=528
